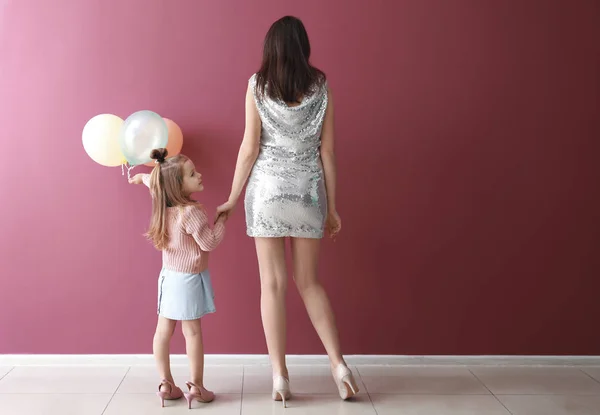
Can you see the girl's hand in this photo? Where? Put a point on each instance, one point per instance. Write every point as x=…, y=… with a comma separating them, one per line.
x=222, y=218
x=225, y=209
x=137, y=179
x=334, y=224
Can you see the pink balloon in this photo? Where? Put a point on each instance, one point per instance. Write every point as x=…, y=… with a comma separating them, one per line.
x=175, y=142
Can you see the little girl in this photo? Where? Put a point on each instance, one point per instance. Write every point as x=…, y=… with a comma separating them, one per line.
x=179, y=227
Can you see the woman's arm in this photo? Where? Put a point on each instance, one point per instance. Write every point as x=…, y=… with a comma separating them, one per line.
x=328, y=154
x=248, y=152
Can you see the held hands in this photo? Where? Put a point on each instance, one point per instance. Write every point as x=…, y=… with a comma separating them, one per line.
x=137, y=179
x=221, y=218
x=225, y=210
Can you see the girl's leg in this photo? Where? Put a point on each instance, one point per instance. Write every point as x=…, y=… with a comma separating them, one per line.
x=273, y=285
x=192, y=331
x=306, y=258
x=160, y=347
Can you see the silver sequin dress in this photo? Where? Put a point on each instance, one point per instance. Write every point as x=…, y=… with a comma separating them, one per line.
x=285, y=195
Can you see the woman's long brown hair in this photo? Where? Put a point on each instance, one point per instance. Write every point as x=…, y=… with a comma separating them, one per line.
x=286, y=72
x=166, y=187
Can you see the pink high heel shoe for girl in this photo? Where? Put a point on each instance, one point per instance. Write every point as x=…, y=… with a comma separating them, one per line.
x=204, y=395
x=172, y=392
x=345, y=382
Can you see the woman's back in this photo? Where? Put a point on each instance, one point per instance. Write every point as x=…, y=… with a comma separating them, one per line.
x=286, y=194
x=291, y=135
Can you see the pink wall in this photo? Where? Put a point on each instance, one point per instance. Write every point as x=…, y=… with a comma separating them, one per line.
x=468, y=150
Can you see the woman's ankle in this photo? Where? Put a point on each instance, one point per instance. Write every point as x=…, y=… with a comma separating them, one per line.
x=335, y=362
x=282, y=372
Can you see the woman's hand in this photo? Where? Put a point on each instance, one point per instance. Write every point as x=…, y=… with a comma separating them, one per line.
x=221, y=218
x=334, y=224
x=225, y=209
x=137, y=179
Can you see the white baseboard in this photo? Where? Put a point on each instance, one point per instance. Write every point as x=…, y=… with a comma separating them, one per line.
x=216, y=359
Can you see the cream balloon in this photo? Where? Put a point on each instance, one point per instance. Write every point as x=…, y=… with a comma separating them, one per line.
x=175, y=142
x=101, y=140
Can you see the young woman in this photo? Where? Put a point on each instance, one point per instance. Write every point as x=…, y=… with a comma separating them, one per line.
x=287, y=157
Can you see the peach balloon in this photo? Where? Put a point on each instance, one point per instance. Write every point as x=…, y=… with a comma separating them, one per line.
x=175, y=142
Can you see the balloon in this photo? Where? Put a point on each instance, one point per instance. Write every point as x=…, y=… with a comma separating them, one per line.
x=175, y=142
x=101, y=140
x=142, y=132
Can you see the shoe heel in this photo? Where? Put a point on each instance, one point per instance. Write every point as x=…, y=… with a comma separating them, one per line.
x=345, y=382
x=167, y=391
x=282, y=395
x=189, y=398
x=350, y=384
x=161, y=396
x=281, y=389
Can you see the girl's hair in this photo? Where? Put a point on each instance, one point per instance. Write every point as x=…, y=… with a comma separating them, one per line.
x=166, y=187
x=285, y=72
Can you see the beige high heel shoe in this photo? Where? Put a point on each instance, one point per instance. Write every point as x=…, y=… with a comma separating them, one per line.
x=281, y=389
x=344, y=379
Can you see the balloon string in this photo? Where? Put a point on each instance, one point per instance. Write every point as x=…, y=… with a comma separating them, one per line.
x=129, y=168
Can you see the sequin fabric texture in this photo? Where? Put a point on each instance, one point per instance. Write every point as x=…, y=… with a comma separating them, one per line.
x=285, y=195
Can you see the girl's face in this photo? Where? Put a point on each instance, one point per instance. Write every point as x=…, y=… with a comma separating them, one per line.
x=192, y=180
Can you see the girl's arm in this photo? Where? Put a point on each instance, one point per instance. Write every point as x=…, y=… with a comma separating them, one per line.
x=248, y=149
x=196, y=224
x=328, y=154
x=140, y=178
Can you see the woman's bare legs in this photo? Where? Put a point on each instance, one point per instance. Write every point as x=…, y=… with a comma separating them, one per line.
x=273, y=285
x=306, y=259
x=160, y=347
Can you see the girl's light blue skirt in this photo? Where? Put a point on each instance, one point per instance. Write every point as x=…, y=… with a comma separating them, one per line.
x=185, y=296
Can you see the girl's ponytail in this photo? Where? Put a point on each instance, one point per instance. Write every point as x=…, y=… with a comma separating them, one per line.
x=158, y=232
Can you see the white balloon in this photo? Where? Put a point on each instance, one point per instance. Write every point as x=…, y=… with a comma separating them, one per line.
x=100, y=139
x=142, y=132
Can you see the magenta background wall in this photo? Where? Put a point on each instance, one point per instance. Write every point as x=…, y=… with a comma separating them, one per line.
x=468, y=138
